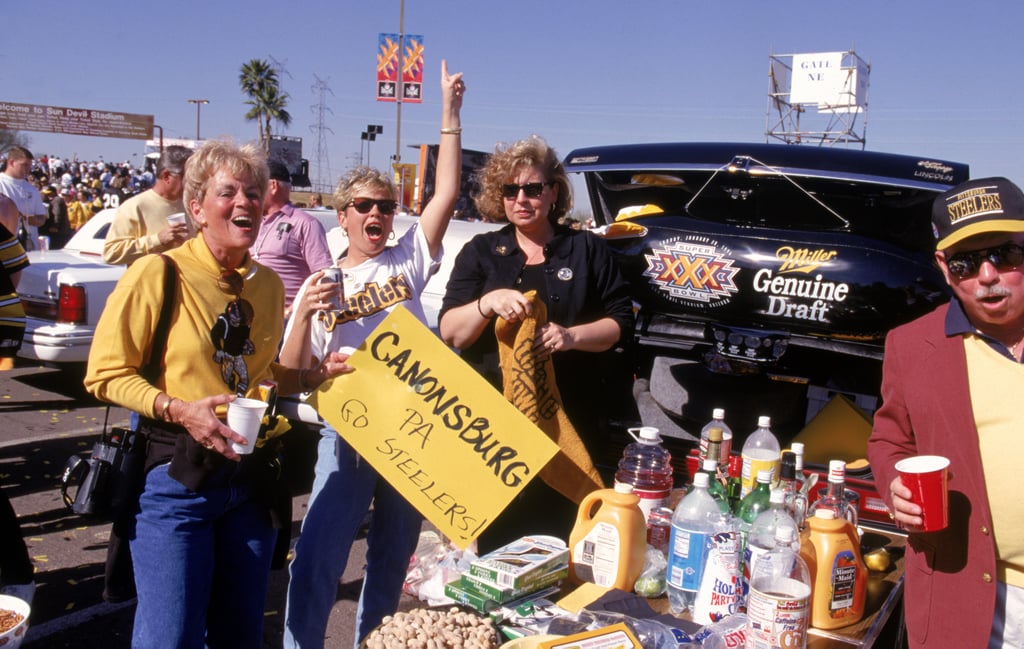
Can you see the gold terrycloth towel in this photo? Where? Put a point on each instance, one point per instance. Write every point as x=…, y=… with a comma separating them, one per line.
x=530, y=387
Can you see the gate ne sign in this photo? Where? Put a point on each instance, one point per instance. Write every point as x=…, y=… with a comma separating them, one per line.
x=75, y=121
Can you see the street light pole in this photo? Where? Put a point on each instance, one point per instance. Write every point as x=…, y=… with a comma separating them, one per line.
x=370, y=134
x=199, y=104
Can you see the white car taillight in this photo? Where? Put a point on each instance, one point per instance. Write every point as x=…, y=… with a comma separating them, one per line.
x=71, y=306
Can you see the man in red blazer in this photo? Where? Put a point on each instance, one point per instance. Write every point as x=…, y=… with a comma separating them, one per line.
x=951, y=381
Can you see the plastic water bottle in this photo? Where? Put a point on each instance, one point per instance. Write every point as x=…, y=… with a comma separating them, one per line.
x=778, y=608
x=693, y=523
x=760, y=451
x=721, y=586
x=727, y=633
x=761, y=537
x=717, y=421
x=646, y=465
x=753, y=504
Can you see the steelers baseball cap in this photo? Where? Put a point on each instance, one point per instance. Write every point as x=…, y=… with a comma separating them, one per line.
x=977, y=206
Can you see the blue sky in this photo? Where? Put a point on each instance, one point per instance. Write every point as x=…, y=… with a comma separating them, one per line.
x=945, y=77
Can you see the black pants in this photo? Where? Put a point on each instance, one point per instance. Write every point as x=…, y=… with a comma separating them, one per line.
x=538, y=509
x=15, y=565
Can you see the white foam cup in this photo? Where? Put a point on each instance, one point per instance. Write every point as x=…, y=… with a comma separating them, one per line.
x=244, y=417
x=178, y=218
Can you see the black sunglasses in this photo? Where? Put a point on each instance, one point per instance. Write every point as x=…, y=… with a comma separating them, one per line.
x=532, y=190
x=364, y=205
x=966, y=264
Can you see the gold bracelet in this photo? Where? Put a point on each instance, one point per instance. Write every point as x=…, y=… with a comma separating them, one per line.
x=166, y=409
x=457, y=130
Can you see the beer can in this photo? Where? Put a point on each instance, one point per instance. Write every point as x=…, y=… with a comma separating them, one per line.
x=44, y=243
x=333, y=275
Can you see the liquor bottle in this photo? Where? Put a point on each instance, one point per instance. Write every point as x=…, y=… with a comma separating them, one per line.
x=715, y=488
x=757, y=500
x=796, y=500
x=715, y=449
x=798, y=450
x=717, y=421
x=693, y=524
x=760, y=451
x=834, y=496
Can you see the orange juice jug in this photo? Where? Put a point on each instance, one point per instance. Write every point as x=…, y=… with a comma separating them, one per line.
x=608, y=542
x=838, y=573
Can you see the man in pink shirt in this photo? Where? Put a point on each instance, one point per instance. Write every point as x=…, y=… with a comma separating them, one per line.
x=290, y=241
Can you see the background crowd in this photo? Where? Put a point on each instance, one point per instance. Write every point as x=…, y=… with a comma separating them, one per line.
x=74, y=191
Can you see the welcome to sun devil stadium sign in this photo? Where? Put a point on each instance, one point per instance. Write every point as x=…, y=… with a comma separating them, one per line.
x=75, y=121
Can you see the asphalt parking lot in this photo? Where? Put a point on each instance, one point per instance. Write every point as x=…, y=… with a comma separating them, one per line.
x=48, y=417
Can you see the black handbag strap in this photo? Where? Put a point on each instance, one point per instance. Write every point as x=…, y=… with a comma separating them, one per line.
x=152, y=368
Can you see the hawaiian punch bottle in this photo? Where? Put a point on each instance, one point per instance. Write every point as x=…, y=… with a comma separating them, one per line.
x=646, y=465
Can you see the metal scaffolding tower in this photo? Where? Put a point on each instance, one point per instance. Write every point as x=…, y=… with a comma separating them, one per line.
x=819, y=98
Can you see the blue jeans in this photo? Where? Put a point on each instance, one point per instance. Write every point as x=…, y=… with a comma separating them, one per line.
x=202, y=563
x=343, y=487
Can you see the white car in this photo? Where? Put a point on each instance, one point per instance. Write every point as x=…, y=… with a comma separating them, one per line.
x=64, y=291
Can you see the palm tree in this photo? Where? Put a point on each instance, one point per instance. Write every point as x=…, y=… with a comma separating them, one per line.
x=266, y=100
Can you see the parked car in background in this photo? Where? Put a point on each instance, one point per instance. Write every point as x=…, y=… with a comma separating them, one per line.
x=64, y=291
x=765, y=276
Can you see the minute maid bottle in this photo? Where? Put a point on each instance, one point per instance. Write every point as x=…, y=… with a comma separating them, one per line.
x=761, y=452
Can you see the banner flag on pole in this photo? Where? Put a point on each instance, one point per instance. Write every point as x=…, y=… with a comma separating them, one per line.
x=412, y=69
x=387, y=67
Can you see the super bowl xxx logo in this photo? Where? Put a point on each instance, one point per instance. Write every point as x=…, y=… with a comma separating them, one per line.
x=693, y=269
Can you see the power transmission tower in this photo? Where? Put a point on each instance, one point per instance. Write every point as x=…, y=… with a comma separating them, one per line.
x=324, y=178
x=279, y=67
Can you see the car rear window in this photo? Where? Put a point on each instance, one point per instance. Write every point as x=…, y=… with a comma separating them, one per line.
x=888, y=212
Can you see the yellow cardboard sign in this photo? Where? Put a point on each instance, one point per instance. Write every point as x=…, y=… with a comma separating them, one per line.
x=431, y=426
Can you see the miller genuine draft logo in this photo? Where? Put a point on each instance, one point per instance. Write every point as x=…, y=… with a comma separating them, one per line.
x=795, y=297
x=802, y=260
x=692, y=269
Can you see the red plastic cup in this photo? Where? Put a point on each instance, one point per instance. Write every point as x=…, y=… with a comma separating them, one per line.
x=927, y=476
